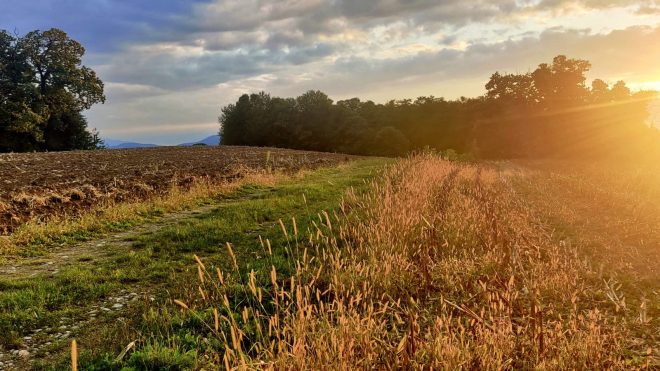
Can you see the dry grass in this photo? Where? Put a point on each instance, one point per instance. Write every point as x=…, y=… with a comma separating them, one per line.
x=30, y=201
x=624, y=197
x=611, y=212
x=114, y=213
x=439, y=265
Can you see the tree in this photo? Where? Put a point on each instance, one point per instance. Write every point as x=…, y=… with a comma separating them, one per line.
x=514, y=88
x=389, y=141
x=21, y=118
x=64, y=83
x=562, y=84
x=600, y=91
x=314, y=120
x=232, y=120
x=620, y=91
x=44, y=90
x=547, y=112
x=68, y=130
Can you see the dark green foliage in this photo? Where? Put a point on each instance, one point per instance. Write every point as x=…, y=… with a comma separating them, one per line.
x=312, y=122
x=43, y=90
x=389, y=142
x=550, y=111
x=68, y=131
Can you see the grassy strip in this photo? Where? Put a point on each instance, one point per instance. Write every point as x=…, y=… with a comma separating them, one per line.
x=160, y=260
x=437, y=265
x=35, y=239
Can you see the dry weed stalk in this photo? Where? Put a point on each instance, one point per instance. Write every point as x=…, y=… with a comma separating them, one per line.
x=74, y=355
x=438, y=266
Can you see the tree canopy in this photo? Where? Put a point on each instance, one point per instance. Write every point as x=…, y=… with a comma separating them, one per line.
x=44, y=88
x=549, y=111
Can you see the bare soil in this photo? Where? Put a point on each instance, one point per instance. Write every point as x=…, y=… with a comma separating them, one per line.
x=38, y=186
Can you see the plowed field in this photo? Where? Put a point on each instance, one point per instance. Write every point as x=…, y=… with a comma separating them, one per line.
x=37, y=186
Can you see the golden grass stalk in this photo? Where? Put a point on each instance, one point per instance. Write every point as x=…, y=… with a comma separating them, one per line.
x=286, y=233
x=438, y=266
x=216, y=322
x=74, y=355
x=230, y=251
x=181, y=304
x=199, y=262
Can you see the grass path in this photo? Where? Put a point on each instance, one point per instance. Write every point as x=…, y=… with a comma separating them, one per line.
x=94, y=251
x=81, y=290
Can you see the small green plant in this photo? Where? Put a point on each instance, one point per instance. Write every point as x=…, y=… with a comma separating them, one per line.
x=159, y=357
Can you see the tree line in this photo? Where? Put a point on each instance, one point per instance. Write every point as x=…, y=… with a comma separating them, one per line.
x=548, y=111
x=44, y=88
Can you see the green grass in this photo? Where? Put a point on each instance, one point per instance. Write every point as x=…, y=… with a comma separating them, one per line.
x=159, y=261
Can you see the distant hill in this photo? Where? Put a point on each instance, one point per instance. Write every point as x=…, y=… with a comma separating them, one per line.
x=212, y=140
x=120, y=144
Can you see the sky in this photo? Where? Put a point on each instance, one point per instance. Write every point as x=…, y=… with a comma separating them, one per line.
x=169, y=66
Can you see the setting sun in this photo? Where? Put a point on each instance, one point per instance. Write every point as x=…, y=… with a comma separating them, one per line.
x=647, y=85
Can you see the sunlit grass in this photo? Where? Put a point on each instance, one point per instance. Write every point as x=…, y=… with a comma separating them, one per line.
x=432, y=264
x=439, y=265
x=154, y=262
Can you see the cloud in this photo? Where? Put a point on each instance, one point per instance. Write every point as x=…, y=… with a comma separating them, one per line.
x=446, y=72
x=173, y=67
x=614, y=56
x=592, y=4
x=221, y=41
x=649, y=10
x=178, y=61
x=101, y=25
x=317, y=17
x=108, y=25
